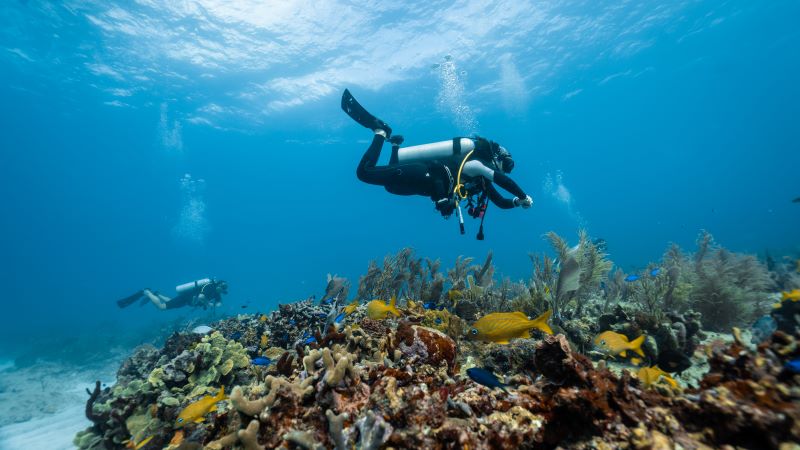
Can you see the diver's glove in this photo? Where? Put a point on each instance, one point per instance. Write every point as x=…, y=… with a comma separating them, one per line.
x=445, y=206
x=523, y=202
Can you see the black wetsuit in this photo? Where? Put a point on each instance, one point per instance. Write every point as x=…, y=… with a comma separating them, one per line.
x=190, y=296
x=431, y=178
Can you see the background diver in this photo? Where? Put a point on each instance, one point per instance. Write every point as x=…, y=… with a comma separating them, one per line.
x=448, y=172
x=197, y=294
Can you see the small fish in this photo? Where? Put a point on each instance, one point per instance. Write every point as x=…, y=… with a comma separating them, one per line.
x=431, y=305
x=292, y=322
x=631, y=278
x=236, y=335
x=636, y=361
x=547, y=290
x=264, y=340
x=338, y=319
x=486, y=378
x=310, y=340
x=655, y=272
x=321, y=315
x=261, y=361
x=617, y=344
x=202, y=329
x=143, y=442
x=263, y=318
x=131, y=443
x=793, y=365
x=351, y=307
x=502, y=327
x=195, y=411
x=793, y=295
x=327, y=301
x=796, y=200
x=379, y=310
x=438, y=321
x=244, y=306
x=673, y=361
x=650, y=375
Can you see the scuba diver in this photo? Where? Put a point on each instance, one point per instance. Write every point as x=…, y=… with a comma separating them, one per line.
x=197, y=294
x=448, y=172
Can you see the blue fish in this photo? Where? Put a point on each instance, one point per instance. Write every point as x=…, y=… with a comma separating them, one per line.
x=655, y=272
x=438, y=321
x=631, y=278
x=339, y=318
x=310, y=340
x=261, y=361
x=321, y=315
x=793, y=365
x=292, y=322
x=486, y=378
x=327, y=301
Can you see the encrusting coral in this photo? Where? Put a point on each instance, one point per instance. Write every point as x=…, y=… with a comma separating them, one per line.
x=403, y=382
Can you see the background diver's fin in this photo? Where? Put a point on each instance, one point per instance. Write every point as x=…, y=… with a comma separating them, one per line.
x=127, y=301
x=357, y=112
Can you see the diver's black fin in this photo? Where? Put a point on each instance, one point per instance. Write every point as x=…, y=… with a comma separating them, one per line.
x=127, y=301
x=357, y=112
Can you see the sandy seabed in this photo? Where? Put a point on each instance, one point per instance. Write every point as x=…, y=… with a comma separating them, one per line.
x=44, y=403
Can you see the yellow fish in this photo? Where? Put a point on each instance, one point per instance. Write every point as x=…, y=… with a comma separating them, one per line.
x=351, y=307
x=650, y=375
x=618, y=344
x=547, y=290
x=378, y=309
x=502, y=327
x=195, y=411
x=137, y=445
x=264, y=340
x=411, y=304
x=793, y=295
x=263, y=318
x=636, y=361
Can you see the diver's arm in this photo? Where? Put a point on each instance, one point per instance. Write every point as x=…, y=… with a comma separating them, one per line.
x=498, y=199
x=476, y=168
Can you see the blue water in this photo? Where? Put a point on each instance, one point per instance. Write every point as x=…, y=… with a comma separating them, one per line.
x=652, y=120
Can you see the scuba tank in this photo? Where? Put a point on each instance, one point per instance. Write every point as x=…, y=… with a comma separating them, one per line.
x=181, y=288
x=435, y=150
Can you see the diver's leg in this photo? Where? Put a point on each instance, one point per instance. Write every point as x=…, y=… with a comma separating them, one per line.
x=156, y=299
x=367, y=171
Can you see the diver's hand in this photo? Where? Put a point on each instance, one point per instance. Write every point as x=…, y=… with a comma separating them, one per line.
x=523, y=202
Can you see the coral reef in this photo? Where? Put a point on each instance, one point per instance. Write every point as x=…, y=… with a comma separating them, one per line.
x=402, y=382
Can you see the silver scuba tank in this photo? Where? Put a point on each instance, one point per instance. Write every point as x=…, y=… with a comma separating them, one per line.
x=181, y=288
x=435, y=150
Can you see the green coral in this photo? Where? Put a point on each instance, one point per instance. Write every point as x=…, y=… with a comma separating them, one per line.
x=156, y=377
x=219, y=356
x=88, y=440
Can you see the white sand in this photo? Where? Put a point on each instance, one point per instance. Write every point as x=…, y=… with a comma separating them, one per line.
x=50, y=432
x=44, y=404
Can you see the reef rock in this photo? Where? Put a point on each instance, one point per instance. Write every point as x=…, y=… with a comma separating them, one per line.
x=426, y=345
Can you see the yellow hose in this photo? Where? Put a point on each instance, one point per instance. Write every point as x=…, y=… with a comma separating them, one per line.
x=458, y=190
